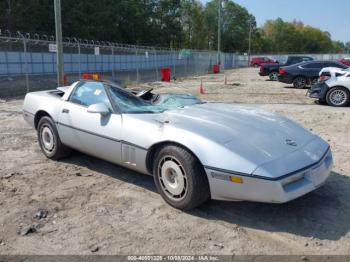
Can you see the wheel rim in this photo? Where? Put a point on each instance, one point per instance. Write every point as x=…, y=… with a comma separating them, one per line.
x=300, y=82
x=338, y=97
x=172, y=178
x=47, y=139
x=274, y=76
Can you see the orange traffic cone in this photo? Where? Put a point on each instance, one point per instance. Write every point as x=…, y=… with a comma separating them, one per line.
x=201, y=88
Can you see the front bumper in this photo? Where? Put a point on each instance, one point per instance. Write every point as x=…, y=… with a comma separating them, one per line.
x=319, y=91
x=269, y=190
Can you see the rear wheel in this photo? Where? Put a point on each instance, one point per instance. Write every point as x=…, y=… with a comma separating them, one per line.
x=180, y=178
x=273, y=76
x=300, y=82
x=338, y=96
x=49, y=140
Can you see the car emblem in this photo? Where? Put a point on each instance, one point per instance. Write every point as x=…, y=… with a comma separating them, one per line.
x=290, y=142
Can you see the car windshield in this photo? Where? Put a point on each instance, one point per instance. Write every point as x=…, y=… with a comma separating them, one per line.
x=129, y=103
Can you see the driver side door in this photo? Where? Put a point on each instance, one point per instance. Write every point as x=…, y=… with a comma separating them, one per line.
x=92, y=133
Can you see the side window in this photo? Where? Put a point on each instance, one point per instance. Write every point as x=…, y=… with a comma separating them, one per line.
x=90, y=93
x=337, y=65
x=314, y=66
x=295, y=60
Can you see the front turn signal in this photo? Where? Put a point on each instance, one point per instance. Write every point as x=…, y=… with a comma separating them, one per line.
x=236, y=179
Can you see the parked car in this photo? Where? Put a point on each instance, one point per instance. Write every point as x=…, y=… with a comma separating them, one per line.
x=306, y=73
x=258, y=61
x=194, y=150
x=333, y=87
x=345, y=61
x=328, y=72
x=272, y=70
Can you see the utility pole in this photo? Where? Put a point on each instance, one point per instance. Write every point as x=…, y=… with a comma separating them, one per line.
x=58, y=25
x=9, y=15
x=250, y=40
x=219, y=30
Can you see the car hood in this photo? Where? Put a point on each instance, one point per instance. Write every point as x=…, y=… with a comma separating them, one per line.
x=256, y=135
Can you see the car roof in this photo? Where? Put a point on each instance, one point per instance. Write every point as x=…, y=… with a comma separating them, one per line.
x=300, y=56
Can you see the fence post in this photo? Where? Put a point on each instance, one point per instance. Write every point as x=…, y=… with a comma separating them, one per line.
x=137, y=66
x=113, y=77
x=155, y=63
x=79, y=57
x=173, y=57
x=25, y=60
x=79, y=62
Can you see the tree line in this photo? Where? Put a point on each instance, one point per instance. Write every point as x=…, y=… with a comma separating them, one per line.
x=167, y=23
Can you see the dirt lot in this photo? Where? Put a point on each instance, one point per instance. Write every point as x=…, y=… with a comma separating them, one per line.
x=98, y=208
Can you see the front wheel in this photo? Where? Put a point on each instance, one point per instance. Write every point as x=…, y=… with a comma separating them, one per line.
x=49, y=140
x=180, y=178
x=300, y=82
x=338, y=97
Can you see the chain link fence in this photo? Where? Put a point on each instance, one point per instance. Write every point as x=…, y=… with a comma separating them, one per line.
x=28, y=62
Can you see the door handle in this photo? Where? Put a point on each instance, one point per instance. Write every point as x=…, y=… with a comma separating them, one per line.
x=65, y=111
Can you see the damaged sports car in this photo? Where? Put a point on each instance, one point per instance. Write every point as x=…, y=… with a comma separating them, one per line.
x=194, y=150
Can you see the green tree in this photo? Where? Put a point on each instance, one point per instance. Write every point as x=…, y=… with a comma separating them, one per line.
x=347, y=47
x=192, y=24
x=235, y=26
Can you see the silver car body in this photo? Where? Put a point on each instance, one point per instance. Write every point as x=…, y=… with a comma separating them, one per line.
x=275, y=159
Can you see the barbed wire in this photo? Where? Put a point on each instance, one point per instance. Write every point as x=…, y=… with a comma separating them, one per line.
x=43, y=39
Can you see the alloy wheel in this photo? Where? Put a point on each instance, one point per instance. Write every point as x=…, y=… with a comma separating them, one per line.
x=172, y=178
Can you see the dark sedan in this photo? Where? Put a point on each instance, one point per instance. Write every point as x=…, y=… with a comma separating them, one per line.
x=271, y=70
x=305, y=74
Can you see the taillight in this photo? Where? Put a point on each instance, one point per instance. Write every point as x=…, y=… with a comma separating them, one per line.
x=282, y=71
x=324, y=78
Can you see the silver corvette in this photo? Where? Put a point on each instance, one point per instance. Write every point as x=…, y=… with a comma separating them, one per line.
x=194, y=150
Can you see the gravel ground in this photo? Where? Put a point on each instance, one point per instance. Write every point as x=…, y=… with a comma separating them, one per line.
x=82, y=205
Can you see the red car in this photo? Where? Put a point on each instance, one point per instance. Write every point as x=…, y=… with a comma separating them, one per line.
x=345, y=61
x=258, y=61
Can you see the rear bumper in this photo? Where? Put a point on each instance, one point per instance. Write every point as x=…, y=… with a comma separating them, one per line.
x=268, y=190
x=318, y=91
x=285, y=79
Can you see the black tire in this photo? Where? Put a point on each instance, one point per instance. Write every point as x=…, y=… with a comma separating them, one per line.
x=273, y=76
x=338, y=96
x=321, y=102
x=196, y=187
x=49, y=140
x=300, y=82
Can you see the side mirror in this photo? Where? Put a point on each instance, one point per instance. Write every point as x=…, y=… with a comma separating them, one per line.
x=99, y=108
